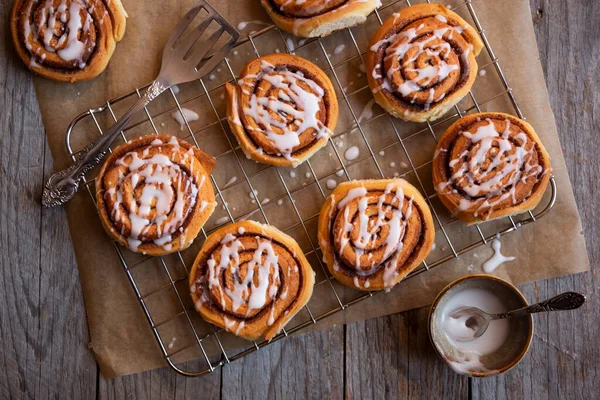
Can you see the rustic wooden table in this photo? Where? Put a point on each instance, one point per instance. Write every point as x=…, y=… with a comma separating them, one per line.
x=42, y=316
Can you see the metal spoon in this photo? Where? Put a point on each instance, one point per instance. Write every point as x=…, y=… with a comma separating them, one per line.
x=478, y=320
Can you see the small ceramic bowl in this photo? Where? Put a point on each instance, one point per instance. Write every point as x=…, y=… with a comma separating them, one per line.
x=508, y=354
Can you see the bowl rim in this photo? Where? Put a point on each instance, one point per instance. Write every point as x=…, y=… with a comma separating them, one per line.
x=516, y=360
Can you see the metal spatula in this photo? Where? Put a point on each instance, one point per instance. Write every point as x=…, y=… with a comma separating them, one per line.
x=185, y=58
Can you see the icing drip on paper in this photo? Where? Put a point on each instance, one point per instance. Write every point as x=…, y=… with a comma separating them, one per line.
x=183, y=116
x=497, y=259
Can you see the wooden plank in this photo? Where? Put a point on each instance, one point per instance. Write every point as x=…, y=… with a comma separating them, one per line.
x=309, y=366
x=562, y=360
x=161, y=384
x=42, y=319
x=377, y=358
x=391, y=357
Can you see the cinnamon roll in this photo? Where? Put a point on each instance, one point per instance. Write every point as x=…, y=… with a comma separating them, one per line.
x=282, y=110
x=250, y=279
x=314, y=18
x=421, y=62
x=67, y=40
x=490, y=165
x=154, y=194
x=374, y=232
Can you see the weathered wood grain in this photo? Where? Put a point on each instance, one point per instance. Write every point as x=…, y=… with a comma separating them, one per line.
x=161, y=384
x=562, y=363
x=43, y=326
x=42, y=317
x=391, y=358
x=309, y=366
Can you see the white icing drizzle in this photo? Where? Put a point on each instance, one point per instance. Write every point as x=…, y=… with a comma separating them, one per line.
x=68, y=46
x=497, y=259
x=228, y=323
x=290, y=45
x=222, y=220
x=244, y=24
x=271, y=319
x=484, y=183
x=239, y=328
x=408, y=46
x=367, y=111
x=189, y=115
x=271, y=114
x=231, y=181
x=261, y=282
x=162, y=203
x=339, y=48
x=258, y=295
x=369, y=229
x=351, y=153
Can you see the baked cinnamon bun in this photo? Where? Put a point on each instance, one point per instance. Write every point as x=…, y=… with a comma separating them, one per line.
x=282, y=110
x=490, y=165
x=374, y=232
x=154, y=194
x=67, y=40
x=421, y=62
x=250, y=279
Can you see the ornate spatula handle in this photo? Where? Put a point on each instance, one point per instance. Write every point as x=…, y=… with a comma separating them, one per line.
x=63, y=185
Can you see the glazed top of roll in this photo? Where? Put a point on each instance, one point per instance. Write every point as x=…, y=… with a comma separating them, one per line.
x=250, y=278
x=490, y=162
x=374, y=232
x=421, y=55
x=286, y=105
x=154, y=193
x=66, y=35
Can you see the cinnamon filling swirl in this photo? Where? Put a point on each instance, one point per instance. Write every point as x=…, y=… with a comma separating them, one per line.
x=377, y=233
x=249, y=281
x=489, y=163
x=152, y=192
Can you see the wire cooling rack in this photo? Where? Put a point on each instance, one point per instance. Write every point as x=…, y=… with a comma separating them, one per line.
x=181, y=334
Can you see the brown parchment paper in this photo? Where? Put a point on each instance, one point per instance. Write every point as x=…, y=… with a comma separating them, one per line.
x=120, y=336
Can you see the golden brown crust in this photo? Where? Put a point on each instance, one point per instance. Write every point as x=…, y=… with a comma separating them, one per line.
x=278, y=291
x=314, y=18
x=461, y=175
x=100, y=27
x=401, y=82
x=160, y=179
x=254, y=141
x=407, y=227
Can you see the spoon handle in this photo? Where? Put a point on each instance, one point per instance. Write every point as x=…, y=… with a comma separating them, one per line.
x=563, y=301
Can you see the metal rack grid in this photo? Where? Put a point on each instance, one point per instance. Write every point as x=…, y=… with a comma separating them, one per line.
x=200, y=339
